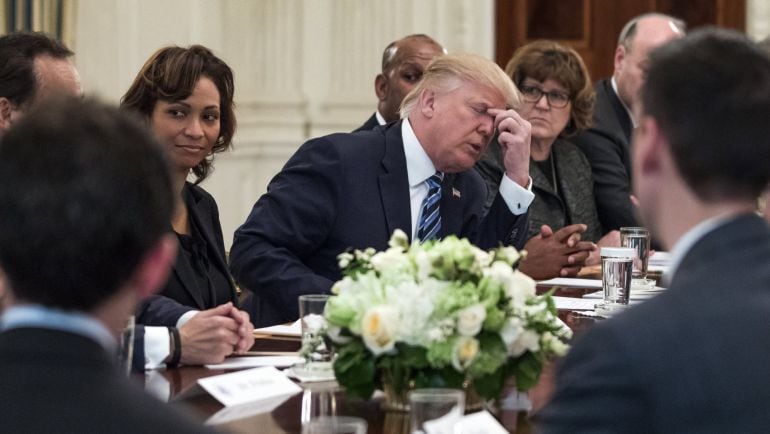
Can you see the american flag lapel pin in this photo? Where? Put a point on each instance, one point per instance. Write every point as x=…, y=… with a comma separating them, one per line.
x=456, y=193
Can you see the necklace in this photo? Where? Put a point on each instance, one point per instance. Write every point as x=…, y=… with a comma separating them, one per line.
x=553, y=175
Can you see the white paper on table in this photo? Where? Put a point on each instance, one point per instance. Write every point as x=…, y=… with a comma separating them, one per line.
x=445, y=424
x=572, y=303
x=294, y=329
x=573, y=282
x=241, y=411
x=659, y=258
x=481, y=422
x=240, y=362
x=248, y=386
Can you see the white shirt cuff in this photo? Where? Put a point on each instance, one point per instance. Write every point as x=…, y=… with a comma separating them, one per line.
x=515, y=196
x=185, y=317
x=156, y=347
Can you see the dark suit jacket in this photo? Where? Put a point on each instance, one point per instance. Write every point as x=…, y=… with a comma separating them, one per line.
x=54, y=381
x=369, y=124
x=182, y=289
x=692, y=360
x=346, y=191
x=607, y=146
x=574, y=180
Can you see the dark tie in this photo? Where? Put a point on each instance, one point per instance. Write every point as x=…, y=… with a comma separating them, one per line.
x=430, y=218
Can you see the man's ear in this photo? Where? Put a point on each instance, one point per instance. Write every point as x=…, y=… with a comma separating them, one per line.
x=381, y=87
x=427, y=102
x=6, y=110
x=620, y=56
x=152, y=272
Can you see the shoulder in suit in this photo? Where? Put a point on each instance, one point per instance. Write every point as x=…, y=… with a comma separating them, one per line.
x=606, y=145
x=54, y=381
x=685, y=361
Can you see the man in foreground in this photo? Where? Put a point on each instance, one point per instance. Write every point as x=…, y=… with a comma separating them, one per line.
x=83, y=238
x=354, y=190
x=689, y=360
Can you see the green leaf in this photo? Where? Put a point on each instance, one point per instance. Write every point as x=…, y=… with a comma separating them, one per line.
x=355, y=370
x=527, y=369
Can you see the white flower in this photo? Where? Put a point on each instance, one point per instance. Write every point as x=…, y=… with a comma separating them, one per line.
x=313, y=323
x=527, y=341
x=470, y=320
x=465, y=351
x=398, y=240
x=378, y=328
x=520, y=287
x=554, y=344
x=511, y=331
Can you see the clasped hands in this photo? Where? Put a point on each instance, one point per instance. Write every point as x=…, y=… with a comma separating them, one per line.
x=556, y=254
x=211, y=335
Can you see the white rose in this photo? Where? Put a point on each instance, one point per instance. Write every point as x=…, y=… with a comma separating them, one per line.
x=470, y=320
x=378, y=327
x=511, y=331
x=465, y=351
x=527, y=341
x=520, y=287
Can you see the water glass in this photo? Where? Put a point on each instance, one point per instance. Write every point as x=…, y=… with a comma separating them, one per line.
x=126, y=348
x=335, y=425
x=617, y=265
x=638, y=238
x=318, y=400
x=435, y=411
x=311, y=312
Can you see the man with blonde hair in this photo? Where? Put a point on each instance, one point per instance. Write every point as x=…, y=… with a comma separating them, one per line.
x=354, y=190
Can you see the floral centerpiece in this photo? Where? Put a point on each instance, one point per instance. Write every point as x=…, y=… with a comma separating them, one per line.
x=439, y=314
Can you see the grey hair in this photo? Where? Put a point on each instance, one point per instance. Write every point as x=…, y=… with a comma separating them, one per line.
x=629, y=30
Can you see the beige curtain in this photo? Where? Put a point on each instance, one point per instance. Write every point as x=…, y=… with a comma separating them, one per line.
x=55, y=17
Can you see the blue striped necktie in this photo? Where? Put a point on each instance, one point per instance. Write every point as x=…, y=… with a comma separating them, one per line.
x=430, y=218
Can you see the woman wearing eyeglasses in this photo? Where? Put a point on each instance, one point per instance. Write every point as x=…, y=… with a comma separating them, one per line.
x=558, y=101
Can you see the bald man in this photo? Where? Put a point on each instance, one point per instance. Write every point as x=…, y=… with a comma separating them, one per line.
x=403, y=63
x=606, y=144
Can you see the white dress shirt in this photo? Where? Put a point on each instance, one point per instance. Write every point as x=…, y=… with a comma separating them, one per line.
x=419, y=168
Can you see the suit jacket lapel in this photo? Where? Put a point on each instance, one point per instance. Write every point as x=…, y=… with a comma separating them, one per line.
x=197, y=212
x=451, y=207
x=394, y=183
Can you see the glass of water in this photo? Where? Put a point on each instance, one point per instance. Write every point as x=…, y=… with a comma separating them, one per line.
x=617, y=266
x=318, y=357
x=638, y=238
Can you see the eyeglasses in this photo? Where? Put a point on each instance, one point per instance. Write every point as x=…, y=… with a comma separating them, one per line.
x=555, y=99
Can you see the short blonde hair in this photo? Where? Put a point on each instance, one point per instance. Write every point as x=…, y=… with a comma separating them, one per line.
x=446, y=73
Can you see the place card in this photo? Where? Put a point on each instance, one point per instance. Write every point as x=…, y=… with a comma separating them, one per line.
x=292, y=330
x=481, y=422
x=249, y=386
x=241, y=362
x=241, y=411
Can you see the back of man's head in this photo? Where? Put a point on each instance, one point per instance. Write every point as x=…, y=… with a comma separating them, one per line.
x=710, y=95
x=17, y=55
x=85, y=194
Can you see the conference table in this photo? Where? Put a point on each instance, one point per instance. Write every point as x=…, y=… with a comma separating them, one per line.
x=287, y=416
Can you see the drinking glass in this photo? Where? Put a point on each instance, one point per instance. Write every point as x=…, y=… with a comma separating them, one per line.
x=617, y=266
x=435, y=411
x=638, y=238
x=335, y=425
x=318, y=358
x=126, y=348
x=318, y=400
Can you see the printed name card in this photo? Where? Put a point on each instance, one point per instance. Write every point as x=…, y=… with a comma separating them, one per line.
x=248, y=386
